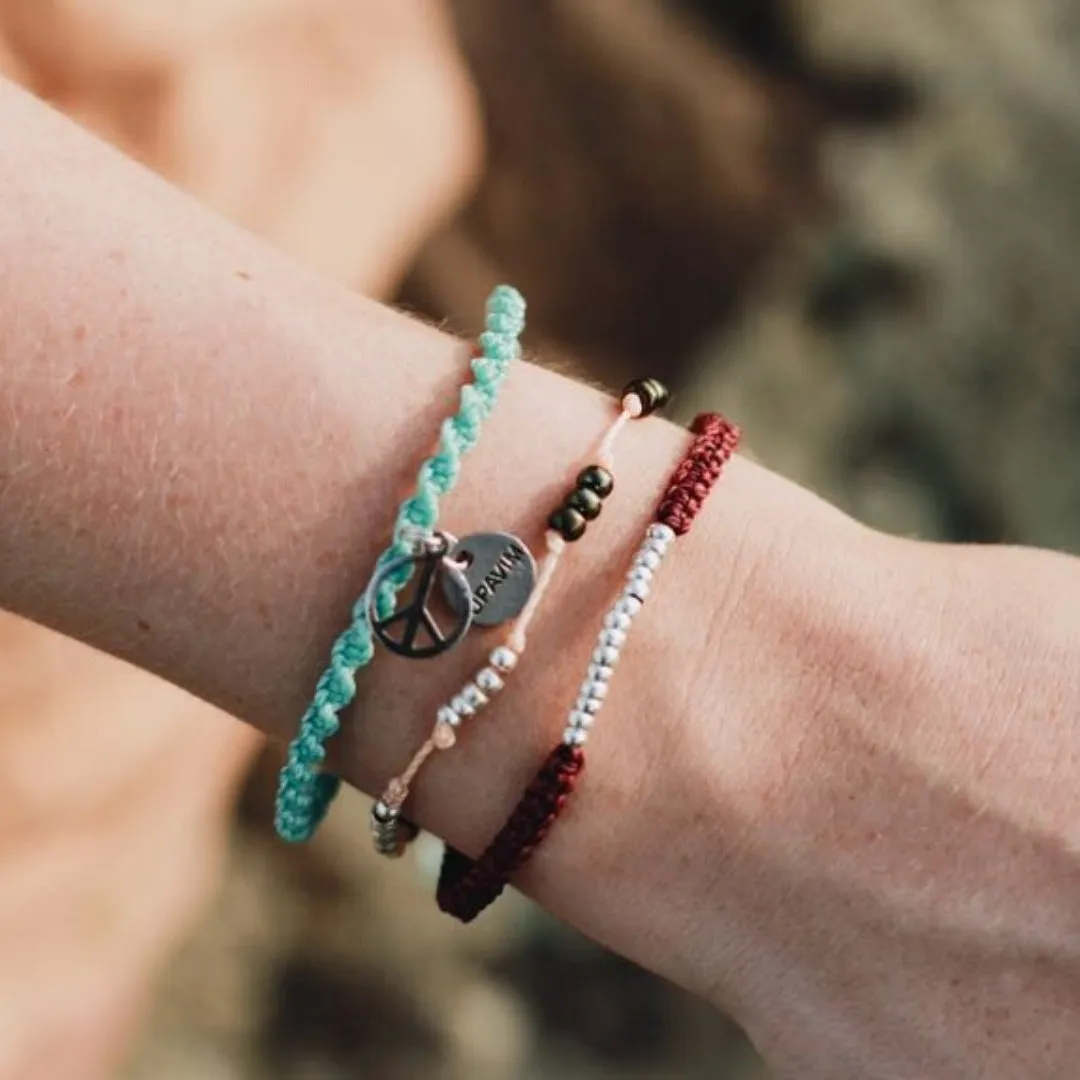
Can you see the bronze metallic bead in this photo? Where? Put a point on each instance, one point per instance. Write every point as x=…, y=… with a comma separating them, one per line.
x=598, y=479
x=652, y=394
x=586, y=502
x=568, y=523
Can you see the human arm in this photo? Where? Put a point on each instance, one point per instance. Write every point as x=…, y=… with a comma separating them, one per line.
x=815, y=797
x=259, y=120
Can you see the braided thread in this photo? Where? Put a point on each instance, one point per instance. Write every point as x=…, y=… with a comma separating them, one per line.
x=305, y=792
x=715, y=441
x=467, y=887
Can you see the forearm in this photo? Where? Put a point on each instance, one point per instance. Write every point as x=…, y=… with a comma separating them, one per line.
x=202, y=453
x=204, y=447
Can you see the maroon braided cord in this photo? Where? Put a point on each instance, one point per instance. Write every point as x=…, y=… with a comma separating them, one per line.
x=698, y=471
x=465, y=887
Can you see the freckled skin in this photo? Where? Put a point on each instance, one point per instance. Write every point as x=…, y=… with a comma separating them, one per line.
x=117, y=786
x=836, y=789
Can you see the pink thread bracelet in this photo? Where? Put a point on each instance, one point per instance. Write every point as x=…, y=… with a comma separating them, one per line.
x=391, y=832
x=467, y=887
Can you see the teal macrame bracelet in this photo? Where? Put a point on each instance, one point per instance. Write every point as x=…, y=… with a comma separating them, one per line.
x=305, y=791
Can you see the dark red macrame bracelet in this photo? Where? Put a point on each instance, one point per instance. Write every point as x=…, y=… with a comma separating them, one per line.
x=466, y=887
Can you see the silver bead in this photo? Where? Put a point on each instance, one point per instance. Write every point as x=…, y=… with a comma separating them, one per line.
x=638, y=588
x=650, y=560
x=617, y=620
x=664, y=533
x=590, y=705
x=605, y=656
x=657, y=547
x=489, y=680
x=476, y=698
x=447, y=715
x=614, y=639
x=640, y=573
x=599, y=673
x=504, y=659
x=575, y=736
x=628, y=605
x=580, y=719
x=461, y=706
x=596, y=691
x=389, y=837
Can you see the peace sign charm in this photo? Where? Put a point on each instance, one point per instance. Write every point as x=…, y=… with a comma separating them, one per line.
x=431, y=561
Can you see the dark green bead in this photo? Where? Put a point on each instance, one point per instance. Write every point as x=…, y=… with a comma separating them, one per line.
x=652, y=394
x=568, y=523
x=586, y=502
x=598, y=479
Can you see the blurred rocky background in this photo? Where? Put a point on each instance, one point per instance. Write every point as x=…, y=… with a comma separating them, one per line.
x=855, y=226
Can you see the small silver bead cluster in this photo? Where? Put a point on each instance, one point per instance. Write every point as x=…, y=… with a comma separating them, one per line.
x=390, y=834
x=476, y=693
x=612, y=637
x=386, y=831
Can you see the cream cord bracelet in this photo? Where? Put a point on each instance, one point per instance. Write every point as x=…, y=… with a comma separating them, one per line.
x=390, y=831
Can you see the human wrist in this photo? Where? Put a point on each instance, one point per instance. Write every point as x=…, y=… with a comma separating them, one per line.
x=904, y=844
x=686, y=742
x=260, y=426
x=714, y=732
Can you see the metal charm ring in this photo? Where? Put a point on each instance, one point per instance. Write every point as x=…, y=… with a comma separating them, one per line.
x=501, y=573
x=415, y=617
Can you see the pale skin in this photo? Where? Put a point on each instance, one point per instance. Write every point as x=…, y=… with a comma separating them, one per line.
x=837, y=787
x=272, y=112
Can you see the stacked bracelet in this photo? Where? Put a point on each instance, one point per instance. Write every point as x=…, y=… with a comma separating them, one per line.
x=305, y=791
x=466, y=887
x=391, y=831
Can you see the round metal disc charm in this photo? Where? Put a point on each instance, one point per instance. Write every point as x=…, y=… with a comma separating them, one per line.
x=501, y=574
x=412, y=630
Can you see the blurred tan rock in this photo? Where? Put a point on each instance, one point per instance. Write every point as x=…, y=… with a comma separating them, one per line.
x=343, y=131
x=80, y=42
x=917, y=359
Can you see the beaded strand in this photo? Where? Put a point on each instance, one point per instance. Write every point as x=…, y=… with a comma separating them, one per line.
x=391, y=832
x=467, y=887
x=609, y=642
x=305, y=791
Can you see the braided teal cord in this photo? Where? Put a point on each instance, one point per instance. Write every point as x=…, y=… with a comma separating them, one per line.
x=305, y=791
